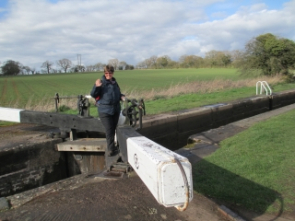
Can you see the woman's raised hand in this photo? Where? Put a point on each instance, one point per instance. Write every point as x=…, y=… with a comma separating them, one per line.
x=98, y=83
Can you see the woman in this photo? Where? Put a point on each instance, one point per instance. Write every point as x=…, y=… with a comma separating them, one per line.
x=107, y=94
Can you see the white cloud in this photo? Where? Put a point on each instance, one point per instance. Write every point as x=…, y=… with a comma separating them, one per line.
x=34, y=31
x=236, y=30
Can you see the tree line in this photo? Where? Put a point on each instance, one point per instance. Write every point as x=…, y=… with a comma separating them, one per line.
x=266, y=53
x=64, y=65
x=212, y=59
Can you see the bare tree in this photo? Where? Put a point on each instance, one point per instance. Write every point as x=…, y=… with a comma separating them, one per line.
x=47, y=65
x=65, y=64
x=90, y=68
x=122, y=65
x=78, y=68
x=237, y=58
x=98, y=66
x=153, y=61
x=142, y=64
x=33, y=70
x=147, y=63
x=114, y=62
x=54, y=70
x=26, y=69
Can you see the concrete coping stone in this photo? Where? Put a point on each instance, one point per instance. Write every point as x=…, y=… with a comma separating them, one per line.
x=226, y=212
x=74, y=182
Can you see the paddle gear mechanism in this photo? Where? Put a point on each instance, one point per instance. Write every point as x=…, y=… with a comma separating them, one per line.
x=134, y=110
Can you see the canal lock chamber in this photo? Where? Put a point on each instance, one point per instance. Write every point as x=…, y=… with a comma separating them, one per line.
x=28, y=165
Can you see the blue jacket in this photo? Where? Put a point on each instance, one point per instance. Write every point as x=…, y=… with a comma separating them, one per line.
x=109, y=96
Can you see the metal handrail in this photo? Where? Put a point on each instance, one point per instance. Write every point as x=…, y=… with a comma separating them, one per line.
x=263, y=86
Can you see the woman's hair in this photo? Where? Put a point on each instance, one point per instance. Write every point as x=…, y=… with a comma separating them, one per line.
x=109, y=68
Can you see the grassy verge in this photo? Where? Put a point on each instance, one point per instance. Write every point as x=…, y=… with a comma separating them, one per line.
x=254, y=169
x=5, y=123
x=186, y=101
x=163, y=104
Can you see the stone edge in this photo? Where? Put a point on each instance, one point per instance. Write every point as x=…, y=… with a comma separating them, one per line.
x=227, y=213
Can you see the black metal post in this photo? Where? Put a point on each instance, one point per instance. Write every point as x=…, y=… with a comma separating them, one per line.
x=56, y=102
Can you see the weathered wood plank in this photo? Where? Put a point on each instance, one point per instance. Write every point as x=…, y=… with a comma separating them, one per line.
x=84, y=145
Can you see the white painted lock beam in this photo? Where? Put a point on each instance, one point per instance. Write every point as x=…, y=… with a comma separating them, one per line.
x=10, y=114
x=158, y=169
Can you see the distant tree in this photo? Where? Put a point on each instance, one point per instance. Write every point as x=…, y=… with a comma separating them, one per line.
x=78, y=68
x=237, y=58
x=47, y=65
x=215, y=58
x=11, y=68
x=90, y=68
x=65, y=64
x=99, y=66
x=129, y=67
x=190, y=61
x=173, y=64
x=122, y=65
x=33, y=70
x=153, y=61
x=163, y=61
x=26, y=70
x=226, y=59
x=211, y=58
x=270, y=54
x=141, y=65
x=114, y=62
x=54, y=71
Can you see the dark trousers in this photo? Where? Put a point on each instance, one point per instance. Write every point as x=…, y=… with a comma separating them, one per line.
x=110, y=123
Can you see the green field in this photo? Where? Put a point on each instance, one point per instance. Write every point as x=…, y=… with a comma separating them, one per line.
x=30, y=91
x=21, y=89
x=37, y=91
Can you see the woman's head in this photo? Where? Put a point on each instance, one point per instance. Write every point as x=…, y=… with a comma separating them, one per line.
x=109, y=72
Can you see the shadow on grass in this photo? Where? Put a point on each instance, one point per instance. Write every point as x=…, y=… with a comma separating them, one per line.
x=235, y=192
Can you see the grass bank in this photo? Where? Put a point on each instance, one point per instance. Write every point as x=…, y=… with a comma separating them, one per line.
x=253, y=170
x=200, y=93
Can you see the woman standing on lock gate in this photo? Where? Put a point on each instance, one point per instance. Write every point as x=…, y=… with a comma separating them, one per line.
x=107, y=94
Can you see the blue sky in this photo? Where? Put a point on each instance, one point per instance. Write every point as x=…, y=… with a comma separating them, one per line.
x=230, y=7
x=34, y=31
